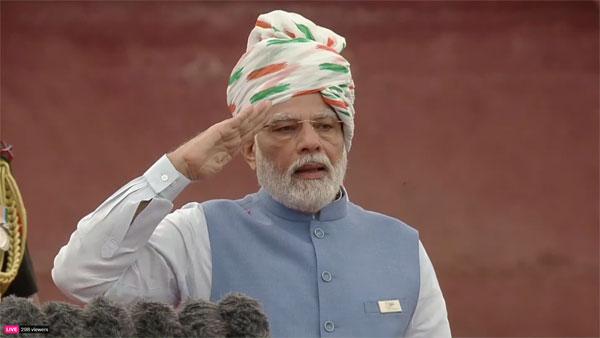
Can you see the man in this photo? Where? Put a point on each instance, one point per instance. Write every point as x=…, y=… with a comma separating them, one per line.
x=320, y=265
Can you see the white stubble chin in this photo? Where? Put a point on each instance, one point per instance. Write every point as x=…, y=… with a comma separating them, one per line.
x=305, y=195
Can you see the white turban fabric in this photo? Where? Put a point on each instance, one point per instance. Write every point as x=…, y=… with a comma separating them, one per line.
x=287, y=56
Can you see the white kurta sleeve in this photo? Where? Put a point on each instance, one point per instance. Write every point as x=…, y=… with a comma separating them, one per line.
x=430, y=318
x=112, y=253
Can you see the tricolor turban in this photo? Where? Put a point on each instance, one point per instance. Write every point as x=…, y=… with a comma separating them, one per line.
x=287, y=56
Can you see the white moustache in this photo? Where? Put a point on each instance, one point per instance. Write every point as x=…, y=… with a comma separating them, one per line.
x=318, y=158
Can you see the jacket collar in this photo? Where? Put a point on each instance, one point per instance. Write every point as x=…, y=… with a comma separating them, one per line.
x=334, y=210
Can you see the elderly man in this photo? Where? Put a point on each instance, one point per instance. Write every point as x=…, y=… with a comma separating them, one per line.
x=319, y=264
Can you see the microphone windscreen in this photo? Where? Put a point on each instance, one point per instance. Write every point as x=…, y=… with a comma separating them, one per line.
x=105, y=318
x=20, y=311
x=200, y=318
x=244, y=316
x=65, y=320
x=154, y=319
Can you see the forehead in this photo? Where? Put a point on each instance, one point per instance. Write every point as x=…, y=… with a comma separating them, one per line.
x=302, y=107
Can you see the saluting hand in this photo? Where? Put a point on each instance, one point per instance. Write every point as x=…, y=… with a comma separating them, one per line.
x=208, y=152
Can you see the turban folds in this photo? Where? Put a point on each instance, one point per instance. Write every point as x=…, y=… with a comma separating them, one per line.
x=287, y=56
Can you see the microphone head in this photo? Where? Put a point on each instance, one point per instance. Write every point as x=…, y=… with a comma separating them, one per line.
x=200, y=318
x=66, y=320
x=154, y=319
x=244, y=316
x=105, y=318
x=20, y=311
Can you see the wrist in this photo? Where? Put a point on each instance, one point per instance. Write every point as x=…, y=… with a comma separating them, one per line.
x=179, y=163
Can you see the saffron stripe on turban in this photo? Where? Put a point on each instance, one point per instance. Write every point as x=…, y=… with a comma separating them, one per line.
x=287, y=56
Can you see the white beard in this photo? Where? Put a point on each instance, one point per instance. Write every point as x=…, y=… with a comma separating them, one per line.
x=305, y=195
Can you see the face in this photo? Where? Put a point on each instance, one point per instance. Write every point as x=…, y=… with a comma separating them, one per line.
x=300, y=165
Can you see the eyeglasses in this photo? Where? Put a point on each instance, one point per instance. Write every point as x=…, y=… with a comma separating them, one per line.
x=328, y=128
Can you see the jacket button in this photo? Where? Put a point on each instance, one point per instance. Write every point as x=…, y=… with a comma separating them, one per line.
x=319, y=233
x=328, y=326
x=326, y=276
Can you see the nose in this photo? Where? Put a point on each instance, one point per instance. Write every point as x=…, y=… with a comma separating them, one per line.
x=308, y=140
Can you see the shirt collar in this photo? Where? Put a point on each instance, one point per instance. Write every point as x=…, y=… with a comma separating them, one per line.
x=334, y=210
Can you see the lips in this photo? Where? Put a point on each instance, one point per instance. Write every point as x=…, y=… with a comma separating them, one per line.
x=311, y=171
x=311, y=167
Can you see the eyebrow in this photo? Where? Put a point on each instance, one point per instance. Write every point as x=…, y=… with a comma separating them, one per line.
x=283, y=116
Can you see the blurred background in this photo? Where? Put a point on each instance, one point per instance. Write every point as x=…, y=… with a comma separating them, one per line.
x=477, y=124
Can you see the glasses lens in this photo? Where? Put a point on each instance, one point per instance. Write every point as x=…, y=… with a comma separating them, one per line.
x=326, y=124
x=284, y=127
x=326, y=127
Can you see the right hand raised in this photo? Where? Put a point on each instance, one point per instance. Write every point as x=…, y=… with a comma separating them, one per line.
x=208, y=152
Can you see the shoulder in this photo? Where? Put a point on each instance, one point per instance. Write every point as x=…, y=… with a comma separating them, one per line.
x=241, y=202
x=373, y=217
x=225, y=204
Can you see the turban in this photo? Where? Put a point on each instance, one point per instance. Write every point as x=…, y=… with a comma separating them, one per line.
x=287, y=56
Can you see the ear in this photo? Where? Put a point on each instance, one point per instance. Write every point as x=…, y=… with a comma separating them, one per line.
x=249, y=154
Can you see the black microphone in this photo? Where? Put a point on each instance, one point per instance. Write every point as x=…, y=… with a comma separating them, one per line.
x=66, y=320
x=200, y=318
x=154, y=319
x=105, y=318
x=244, y=316
x=20, y=311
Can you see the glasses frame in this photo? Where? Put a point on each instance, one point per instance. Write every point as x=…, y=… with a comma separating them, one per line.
x=301, y=123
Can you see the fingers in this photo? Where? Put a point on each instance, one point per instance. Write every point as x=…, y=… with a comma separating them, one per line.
x=261, y=115
x=246, y=124
x=254, y=113
x=255, y=120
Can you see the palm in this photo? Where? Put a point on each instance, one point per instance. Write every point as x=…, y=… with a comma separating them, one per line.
x=207, y=153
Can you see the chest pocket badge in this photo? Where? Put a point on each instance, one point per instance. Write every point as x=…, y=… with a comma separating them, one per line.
x=389, y=306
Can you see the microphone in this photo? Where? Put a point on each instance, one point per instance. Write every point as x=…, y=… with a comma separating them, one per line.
x=154, y=319
x=20, y=311
x=244, y=316
x=236, y=315
x=200, y=318
x=66, y=320
x=105, y=318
